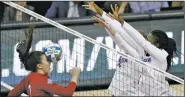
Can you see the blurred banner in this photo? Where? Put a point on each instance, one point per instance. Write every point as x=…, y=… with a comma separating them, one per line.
x=13, y=71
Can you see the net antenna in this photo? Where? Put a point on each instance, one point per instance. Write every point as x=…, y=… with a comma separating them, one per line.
x=76, y=33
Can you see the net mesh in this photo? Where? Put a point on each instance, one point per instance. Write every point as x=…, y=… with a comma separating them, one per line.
x=101, y=66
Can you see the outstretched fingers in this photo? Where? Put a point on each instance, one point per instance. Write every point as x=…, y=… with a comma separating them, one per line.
x=100, y=21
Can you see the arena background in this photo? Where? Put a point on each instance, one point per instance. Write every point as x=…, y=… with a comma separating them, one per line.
x=12, y=71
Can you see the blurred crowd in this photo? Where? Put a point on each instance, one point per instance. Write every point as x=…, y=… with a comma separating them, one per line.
x=74, y=9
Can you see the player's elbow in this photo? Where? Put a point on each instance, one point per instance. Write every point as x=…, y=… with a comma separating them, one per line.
x=69, y=94
x=69, y=91
x=133, y=53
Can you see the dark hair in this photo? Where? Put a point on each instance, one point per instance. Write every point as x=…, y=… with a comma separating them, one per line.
x=32, y=59
x=168, y=44
x=142, y=33
x=2, y=9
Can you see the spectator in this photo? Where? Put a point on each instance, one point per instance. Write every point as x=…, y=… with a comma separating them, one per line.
x=100, y=3
x=38, y=8
x=144, y=7
x=67, y=10
x=177, y=4
x=12, y=14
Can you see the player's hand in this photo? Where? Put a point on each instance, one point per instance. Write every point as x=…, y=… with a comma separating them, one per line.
x=90, y=6
x=115, y=10
x=115, y=13
x=100, y=21
x=75, y=72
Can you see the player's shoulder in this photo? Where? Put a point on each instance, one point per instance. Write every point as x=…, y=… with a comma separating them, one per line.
x=164, y=52
x=36, y=77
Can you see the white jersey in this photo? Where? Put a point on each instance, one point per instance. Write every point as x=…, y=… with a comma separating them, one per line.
x=127, y=75
x=142, y=81
x=125, y=81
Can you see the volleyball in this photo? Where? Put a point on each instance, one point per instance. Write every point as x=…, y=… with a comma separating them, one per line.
x=53, y=52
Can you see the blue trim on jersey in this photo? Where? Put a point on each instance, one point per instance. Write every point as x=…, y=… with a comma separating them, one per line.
x=125, y=60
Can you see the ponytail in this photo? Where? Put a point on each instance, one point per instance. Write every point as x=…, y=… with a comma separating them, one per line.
x=168, y=44
x=171, y=47
x=24, y=46
x=23, y=53
x=24, y=60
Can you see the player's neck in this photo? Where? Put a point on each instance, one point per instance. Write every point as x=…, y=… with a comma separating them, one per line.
x=40, y=72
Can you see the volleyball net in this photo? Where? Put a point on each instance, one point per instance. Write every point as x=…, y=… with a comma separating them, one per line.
x=100, y=60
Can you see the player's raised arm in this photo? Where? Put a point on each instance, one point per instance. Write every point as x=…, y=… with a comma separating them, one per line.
x=118, y=39
x=102, y=23
x=148, y=47
x=123, y=33
x=124, y=45
x=138, y=38
x=114, y=24
x=118, y=28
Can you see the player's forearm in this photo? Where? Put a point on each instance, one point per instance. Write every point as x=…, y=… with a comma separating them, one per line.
x=110, y=30
x=118, y=28
x=109, y=19
x=123, y=44
x=69, y=90
x=146, y=45
x=134, y=33
x=59, y=90
x=124, y=34
x=99, y=10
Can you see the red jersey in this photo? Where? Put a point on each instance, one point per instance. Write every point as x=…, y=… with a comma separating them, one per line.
x=36, y=84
